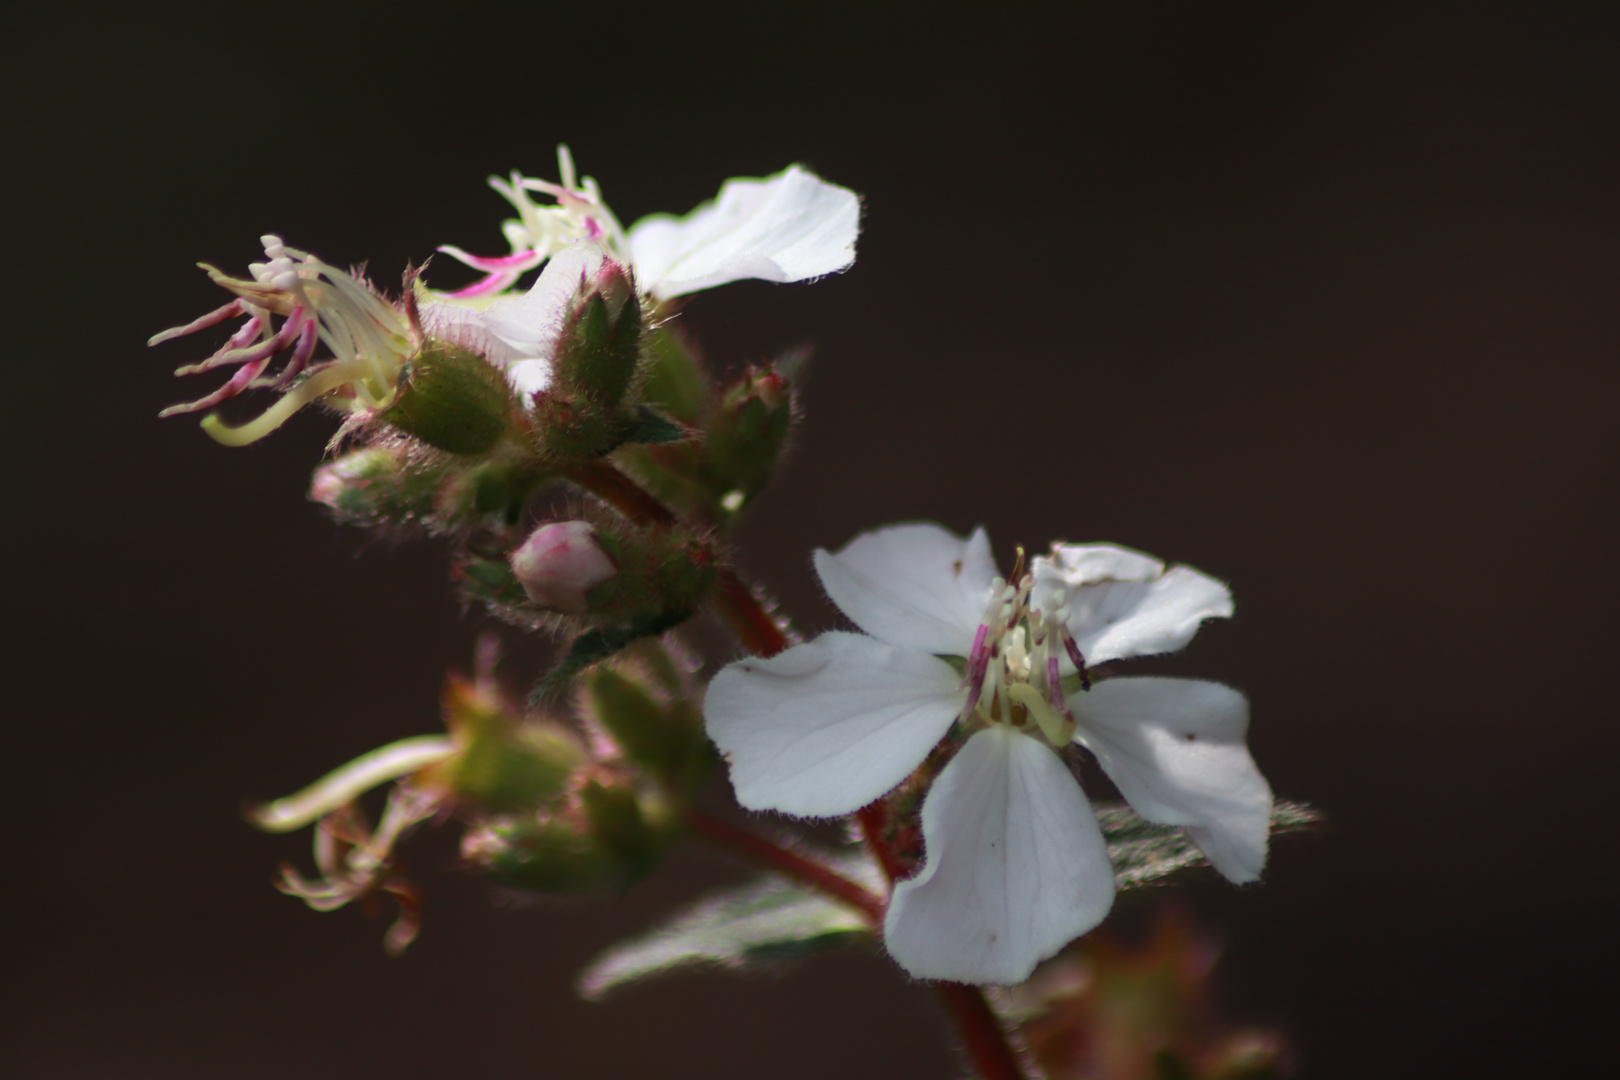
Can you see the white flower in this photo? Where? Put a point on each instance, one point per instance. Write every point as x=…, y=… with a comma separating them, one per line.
x=784, y=228
x=789, y=227
x=1016, y=865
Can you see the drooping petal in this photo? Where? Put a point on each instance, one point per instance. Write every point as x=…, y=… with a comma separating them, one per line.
x=786, y=227
x=1016, y=868
x=1122, y=603
x=530, y=323
x=826, y=727
x=912, y=585
x=1175, y=749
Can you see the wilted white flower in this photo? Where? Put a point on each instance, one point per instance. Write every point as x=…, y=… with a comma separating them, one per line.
x=1015, y=864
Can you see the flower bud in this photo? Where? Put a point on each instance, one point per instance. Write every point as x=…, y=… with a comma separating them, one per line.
x=560, y=563
x=503, y=759
x=600, y=345
x=747, y=435
x=377, y=485
x=452, y=398
x=660, y=734
x=606, y=835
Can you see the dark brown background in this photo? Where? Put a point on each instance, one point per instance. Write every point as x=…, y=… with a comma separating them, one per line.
x=1320, y=301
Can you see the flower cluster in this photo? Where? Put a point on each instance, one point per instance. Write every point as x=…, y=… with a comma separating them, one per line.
x=1016, y=865
x=564, y=438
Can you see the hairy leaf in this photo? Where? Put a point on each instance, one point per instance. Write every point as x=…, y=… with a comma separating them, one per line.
x=758, y=926
x=1143, y=852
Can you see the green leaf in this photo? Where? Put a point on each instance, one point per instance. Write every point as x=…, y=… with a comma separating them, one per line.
x=599, y=644
x=651, y=426
x=758, y=926
x=1143, y=853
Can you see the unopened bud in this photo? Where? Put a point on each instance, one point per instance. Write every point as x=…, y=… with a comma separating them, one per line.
x=560, y=563
x=454, y=399
x=600, y=344
x=747, y=435
x=377, y=485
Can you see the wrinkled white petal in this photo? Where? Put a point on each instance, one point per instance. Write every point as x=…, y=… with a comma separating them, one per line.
x=826, y=727
x=530, y=323
x=1016, y=868
x=914, y=585
x=1175, y=749
x=462, y=325
x=1123, y=603
x=787, y=227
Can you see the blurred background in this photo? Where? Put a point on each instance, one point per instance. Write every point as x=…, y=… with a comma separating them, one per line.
x=1320, y=299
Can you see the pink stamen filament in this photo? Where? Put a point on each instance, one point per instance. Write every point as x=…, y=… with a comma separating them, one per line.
x=213, y=318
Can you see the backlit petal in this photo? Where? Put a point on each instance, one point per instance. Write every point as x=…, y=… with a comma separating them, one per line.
x=1016, y=866
x=788, y=227
x=1175, y=748
x=914, y=585
x=826, y=727
x=1122, y=603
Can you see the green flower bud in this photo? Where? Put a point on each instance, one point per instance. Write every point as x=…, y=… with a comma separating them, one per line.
x=377, y=485
x=600, y=347
x=663, y=572
x=503, y=760
x=606, y=836
x=452, y=398
x=747, y=436
x=665, y=737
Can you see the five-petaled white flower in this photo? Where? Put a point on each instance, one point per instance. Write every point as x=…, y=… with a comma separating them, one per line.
x=792, y=226
x=1015, y=863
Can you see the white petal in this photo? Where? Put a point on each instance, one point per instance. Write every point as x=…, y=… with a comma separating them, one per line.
x=787, y=227
x=826, y=727
x=463, y=325
x=1016, y=868
x=530, y=323
x=1123, y=603
x=1175, y=749
x=914, y=585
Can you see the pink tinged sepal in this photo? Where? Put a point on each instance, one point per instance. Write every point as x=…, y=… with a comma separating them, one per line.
x=1175, y=749
x=559, y=564
x=1016, y=866
x=828, y=726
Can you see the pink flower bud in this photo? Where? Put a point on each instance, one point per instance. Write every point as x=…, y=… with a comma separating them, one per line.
x=559, y=563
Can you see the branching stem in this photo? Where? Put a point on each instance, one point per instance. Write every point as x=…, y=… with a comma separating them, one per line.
x=784, y=860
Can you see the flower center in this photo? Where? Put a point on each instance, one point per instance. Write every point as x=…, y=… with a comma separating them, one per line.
x=1014, y=673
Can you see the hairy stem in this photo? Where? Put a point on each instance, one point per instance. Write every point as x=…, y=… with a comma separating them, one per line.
x=786, y=861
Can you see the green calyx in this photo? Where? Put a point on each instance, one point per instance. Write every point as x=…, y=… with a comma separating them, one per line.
x=666, y=740
x=504, y=762
x=452, y=398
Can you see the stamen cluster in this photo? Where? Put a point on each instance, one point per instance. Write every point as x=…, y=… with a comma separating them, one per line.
x=1017, y=646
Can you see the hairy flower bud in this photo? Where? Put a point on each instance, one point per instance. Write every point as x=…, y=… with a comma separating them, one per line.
x=452, y=398
x=605, y=835
x=376, y=485
x=747, y=436
x=560, y=563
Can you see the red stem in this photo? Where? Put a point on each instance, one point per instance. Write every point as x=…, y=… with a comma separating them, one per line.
x=982, y=1034
x=788, y=862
